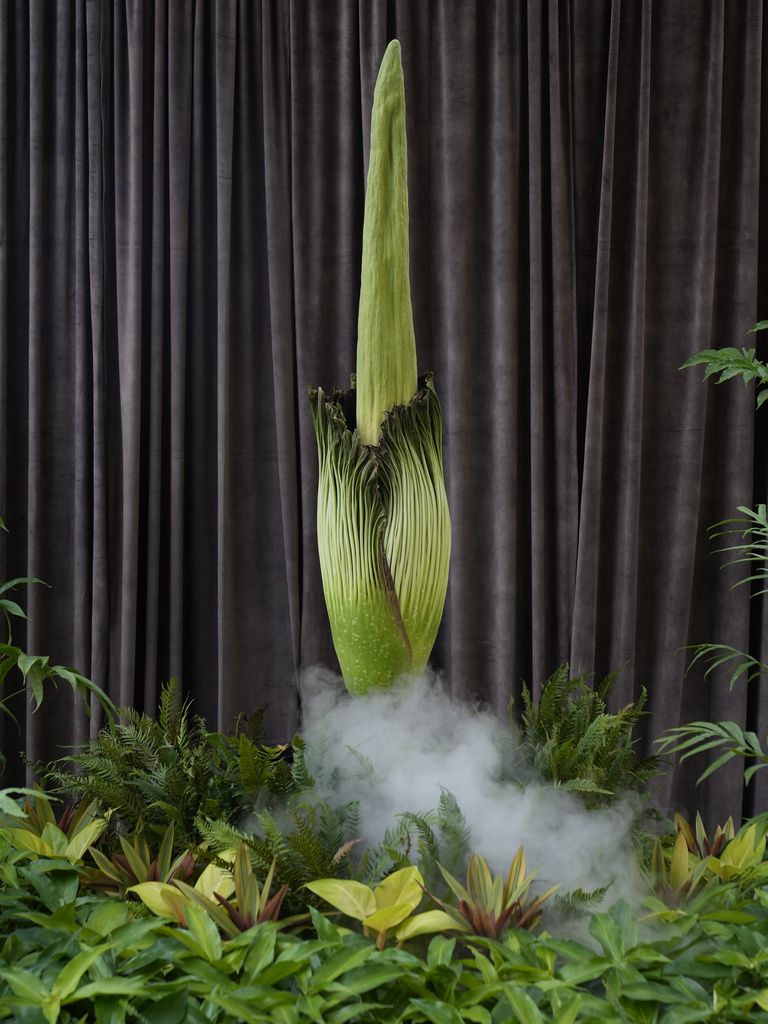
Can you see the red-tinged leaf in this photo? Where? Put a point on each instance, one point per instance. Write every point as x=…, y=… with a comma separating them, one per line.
x=271, y=909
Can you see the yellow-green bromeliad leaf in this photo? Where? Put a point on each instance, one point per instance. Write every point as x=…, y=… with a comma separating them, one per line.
x=383, y=526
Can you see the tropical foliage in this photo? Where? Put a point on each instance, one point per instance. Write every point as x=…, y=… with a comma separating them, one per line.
x=573, y=739
x=748, y=547
x=489, y=905
x=732, y=363
x=155, y=771
x=34, y=671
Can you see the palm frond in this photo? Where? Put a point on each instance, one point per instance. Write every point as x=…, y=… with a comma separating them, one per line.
x=700, y=737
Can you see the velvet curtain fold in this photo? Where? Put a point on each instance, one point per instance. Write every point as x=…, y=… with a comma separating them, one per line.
x=181, y=195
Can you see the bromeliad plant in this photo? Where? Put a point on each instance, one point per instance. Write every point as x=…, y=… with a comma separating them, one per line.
x=489, y=905
x=697, y=861
x=383, y=526
x=41, y=834
x=172, y=899
x=252, y=903
x=136, y=863
x=697, y=840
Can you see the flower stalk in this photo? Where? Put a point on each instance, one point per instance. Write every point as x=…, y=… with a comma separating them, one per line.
x=383, y=525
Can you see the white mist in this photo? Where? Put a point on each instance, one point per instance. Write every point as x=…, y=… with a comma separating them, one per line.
x=418, y=740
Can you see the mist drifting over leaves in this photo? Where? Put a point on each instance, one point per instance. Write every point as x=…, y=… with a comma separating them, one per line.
x=395, y=750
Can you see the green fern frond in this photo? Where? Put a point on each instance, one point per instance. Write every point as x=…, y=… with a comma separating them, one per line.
x=573, y=739
x=454, y=833
x=579, y=903
x=170, y=769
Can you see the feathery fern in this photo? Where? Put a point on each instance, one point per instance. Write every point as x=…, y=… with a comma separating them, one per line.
x=428, y=839
x=306, y=841
x=574, y=740
x=579, y=903
x=171, y=770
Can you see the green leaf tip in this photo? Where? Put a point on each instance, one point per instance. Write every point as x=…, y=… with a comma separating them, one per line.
x=386, y=345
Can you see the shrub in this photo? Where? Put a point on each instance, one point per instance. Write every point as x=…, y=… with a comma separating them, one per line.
x=156, y=771
x=575, y=741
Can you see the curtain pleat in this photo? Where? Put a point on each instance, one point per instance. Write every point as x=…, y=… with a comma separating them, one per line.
x=182, y=188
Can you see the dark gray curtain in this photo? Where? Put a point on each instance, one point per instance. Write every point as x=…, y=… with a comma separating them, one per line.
x=180, y=228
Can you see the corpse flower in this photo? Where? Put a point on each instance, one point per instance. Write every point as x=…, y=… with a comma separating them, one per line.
x=383, y=527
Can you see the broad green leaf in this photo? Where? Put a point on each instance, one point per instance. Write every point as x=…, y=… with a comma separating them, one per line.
x=85, y=837
x=526, y=1011
x=353, y=1012
x=9, y=804
x=352, y=898
x=648, y=991
x=215, y=879
x=12, y=608
x=25, y=663
x=428, y=923
x=477, y=1014
x=607, y=933
x=55, y=838
x=568, y=1012
x=69, y=977
x=578, y=972
x=325, y=929
x=174, y=1008
x=24, y=840
x=112, y=986
x=205, y=932
x=155, y=896
x=679, y=872
x=346, y=960
x=34, y=679
x=51, y=1007
x=370, y=976
x=55, y=881
x=23, y=984
x=240, y=1008
x=729, y=916
x=437, y=1012
x=135, y=862
x=261, y=952
x=387, y=917
x=18, y=581
x=403, y=887
x=311, y=1007
x=187, y=940
x=109, y=1009
x=440, y=950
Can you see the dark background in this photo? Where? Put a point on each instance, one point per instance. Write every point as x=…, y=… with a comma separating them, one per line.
x=181, y=193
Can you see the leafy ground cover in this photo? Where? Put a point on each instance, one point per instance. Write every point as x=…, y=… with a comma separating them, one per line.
x=119, y=904
x=165, y=873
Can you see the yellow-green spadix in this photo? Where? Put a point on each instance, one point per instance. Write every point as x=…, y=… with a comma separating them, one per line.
x=383, y=529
